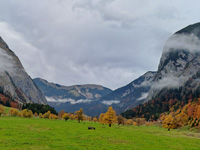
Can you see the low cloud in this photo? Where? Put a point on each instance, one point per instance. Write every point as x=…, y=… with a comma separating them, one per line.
x=169, y=82
x=110, y=102
x=186, y=42
x=68, y=100
x=144, y=96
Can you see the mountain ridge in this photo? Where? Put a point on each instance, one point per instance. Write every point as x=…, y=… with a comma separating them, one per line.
x=14, y=80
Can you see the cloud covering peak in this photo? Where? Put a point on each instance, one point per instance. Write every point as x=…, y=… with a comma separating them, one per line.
x=91, y=41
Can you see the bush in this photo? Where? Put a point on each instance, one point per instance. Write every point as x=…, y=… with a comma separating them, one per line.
x=2, y=109
x=65, y=116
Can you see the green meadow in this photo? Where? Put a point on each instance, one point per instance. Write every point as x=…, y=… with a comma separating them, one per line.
x=43, y=134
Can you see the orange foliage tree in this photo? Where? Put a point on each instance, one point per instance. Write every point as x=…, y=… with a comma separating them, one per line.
x=110, y=116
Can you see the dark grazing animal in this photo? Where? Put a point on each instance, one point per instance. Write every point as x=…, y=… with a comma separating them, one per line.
x=91, y=128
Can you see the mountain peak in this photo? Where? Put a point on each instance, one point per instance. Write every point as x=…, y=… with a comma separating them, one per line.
x=194, y=28
x=180, y=60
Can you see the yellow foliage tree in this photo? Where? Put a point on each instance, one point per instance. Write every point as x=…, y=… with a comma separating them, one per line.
x=134, y=123
x=95, y=119
x=129, y=122
x=15, y=112
x=1, y=109
x=29, y=114
x=35, y=114
x=140, y=121
x=101, y=118
x=79, y=115
x=40, y=115
x=61, y=113
x=72, y=117
x=24, y=113
x=65, y=116
x=46, y=115
x=20, y=114
x=181, y=120
x=169, y=122
x=110, y=116
x=11, y=111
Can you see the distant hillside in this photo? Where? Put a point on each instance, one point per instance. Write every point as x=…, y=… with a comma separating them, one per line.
x=95, y=99
x=178, y=77
x=76, y=92
x=132, y=94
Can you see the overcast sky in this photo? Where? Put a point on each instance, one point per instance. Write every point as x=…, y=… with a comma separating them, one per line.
x=106, y=42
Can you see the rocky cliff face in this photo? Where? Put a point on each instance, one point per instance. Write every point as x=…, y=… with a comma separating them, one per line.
x=14, y=81
x=179, y=62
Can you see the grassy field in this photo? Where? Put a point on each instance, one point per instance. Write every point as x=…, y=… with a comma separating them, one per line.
x=42, y=134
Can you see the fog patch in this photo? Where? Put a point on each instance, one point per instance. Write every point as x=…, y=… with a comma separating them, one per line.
x=190, y=43
x=110, y=102
x=144, y=96
x=68, y=100
x=169, y=82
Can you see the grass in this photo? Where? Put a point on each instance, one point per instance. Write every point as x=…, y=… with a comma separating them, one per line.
x=43, y=134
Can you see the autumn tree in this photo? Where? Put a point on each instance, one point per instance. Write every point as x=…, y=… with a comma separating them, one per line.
x=72, y=117
x=35, y=114
x=79, y=115
x=61, y=113
x=101, y=118
x=40, y=115
x=120, y=120
x=180, y=120
x=20, y=114
x=65, y=116
x=11, y=111
x=46, y=115
x=140, y=121
x=1, y=109
x=95, y=119
x=169, y=122
x=24, y=113
x=29, y=113
x=15, y=112
x=129, y=122
x=110, y=116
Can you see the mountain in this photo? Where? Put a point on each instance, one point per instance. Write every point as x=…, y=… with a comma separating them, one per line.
x=56, y=92
x=72, y=98
x=132, y=94
x=95, y=99
x=179, y=62
x=14, y=81
x=177, y=78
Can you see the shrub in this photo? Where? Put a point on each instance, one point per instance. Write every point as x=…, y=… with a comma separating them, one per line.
x=65, y=116
x=2, y=109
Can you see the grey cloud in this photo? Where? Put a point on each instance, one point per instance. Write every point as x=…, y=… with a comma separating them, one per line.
x=183, y=42
x=68, y=100
x=110, y=102
x=108, y=42
x=143, y=96
x=169, y=81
